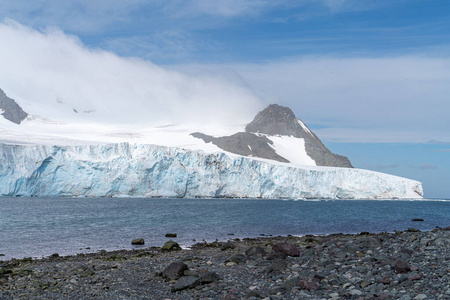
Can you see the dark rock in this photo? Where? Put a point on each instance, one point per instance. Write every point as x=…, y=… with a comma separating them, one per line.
x=254, y=294
x=401, y=266
x=416, y=277
x=278, y=289
x=308, y=285
x=187, y=282
x=254, y=251
x=310, y=240
x=341, y=254
x=407, y=251
x=402, y=278
x=238, y=259
x=10, y=109
x=263, y=263
x=412, y=230
x=5, y=272
x=287, y=248
x=171, y=246
x=417, y=220
x=369, y=243
x=277, y=265
x=239, y=143
x=275, y=255
x=384, y=296
x=290, y=283
x=321, y=275
x=227, y=245
x=172, y=235
x=209, y=277
x=139, y=241
x=174, y=270
x=385, y=280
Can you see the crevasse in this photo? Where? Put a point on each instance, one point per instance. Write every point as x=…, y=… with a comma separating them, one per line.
x=127, y=170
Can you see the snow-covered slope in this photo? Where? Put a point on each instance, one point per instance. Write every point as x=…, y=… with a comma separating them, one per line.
x=124, y=169
x=276, y=133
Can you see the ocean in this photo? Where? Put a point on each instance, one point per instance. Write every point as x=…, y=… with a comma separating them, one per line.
x=38, y=227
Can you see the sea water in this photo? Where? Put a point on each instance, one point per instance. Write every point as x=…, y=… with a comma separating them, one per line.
x=39, y=227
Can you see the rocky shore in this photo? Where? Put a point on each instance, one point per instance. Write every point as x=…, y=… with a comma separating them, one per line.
x=401, y=265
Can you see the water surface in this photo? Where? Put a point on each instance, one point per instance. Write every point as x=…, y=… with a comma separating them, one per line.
x=41, y=226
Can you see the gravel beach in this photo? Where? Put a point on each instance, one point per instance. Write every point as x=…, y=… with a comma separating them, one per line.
x=403, y=265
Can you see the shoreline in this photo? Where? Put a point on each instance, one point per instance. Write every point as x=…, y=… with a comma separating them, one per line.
x=188, y=245
x=400, y=265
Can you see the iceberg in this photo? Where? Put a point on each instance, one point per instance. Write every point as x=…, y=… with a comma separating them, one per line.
x=143, y=170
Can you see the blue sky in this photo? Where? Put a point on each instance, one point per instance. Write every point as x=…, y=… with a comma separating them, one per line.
x=371, y=78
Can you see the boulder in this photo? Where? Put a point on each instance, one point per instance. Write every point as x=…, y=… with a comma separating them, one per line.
x=186, y=282
x=278, y=265
x=209, y=277
x=237, y=259
x=308, y=285
x=227, y=245
x=401, y=266
x=171, y=246
x=172, y=235
x=174, y=270
x=275, y=255
x=255, y=252
x=412, y=230
x=287, y=248
x=139, y=241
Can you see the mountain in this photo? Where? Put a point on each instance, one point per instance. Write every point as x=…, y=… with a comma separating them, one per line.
x=10, y=109
x=274, y=156
x=275, y=125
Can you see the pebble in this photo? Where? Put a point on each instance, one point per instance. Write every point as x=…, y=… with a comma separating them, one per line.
x=407, y=265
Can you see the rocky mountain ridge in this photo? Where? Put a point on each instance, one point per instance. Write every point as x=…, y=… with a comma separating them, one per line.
x=10, y=110
x=276, y=120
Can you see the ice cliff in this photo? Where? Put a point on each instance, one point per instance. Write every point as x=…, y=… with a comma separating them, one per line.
x=128, y=170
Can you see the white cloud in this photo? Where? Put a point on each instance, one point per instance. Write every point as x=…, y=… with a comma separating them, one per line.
x=394, y=99
x=40, y=69
x=361, y=99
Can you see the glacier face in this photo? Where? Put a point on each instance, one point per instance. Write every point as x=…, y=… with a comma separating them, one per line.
x=128, y=170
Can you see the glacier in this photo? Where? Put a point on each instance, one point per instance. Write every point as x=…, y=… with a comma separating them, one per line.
x=140, y=170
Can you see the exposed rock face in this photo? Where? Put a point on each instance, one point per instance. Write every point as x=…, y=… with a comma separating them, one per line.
x=11, y=110
x=275, y=120
x=280, y=120
x=243, y=143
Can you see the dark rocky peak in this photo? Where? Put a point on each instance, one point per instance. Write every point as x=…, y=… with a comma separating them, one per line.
x=278, y=120
x=11, y=110
x=272, y=121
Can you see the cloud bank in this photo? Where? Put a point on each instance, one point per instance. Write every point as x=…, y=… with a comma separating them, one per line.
x=53, y=74
x=381, y=99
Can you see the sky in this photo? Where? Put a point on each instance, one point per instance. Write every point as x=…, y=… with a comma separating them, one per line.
x=371, y=78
